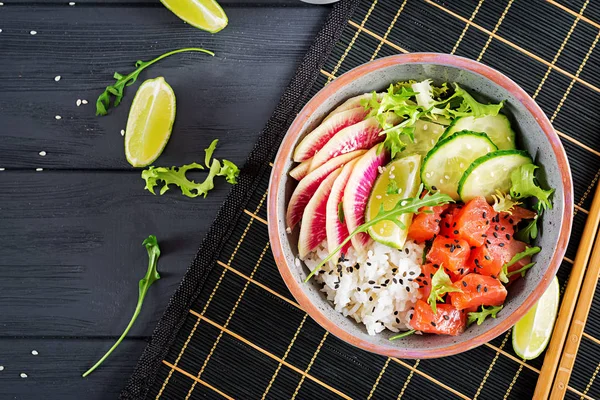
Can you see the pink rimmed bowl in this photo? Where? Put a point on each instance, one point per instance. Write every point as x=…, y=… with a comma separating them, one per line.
x=535, y=134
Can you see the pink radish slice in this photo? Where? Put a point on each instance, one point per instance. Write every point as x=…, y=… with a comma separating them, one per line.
x=363, y=135
x=300, y=170
x=351, y=103
x=356, y=193
x=307, y=187
x=312, y=228
x=318, y=138
x=337, y=231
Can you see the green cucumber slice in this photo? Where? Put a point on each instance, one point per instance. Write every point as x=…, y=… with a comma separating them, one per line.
x=445, y=164
x=490, y=173
x=497, y=127
x=426, y=136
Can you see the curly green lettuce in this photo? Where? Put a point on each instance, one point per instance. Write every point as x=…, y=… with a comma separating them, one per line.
x=440, y=285
x=524, y=185
x=480, y=316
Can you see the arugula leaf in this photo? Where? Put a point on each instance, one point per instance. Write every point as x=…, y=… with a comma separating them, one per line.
x=151, y=276
x=341, y=217
x=392, y=187
x=440, y=285
x=403, y=334
x=529, y=251
x=115, y=91
x=524, y=185
x=521, y=270
x=209, y=152
x=529, y=232
x=176, y=175
x=483, y=314
x=404, y=206
x=503, y=202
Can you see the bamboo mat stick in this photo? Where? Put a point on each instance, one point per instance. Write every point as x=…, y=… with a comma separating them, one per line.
x=552, y=358
x=584, y=304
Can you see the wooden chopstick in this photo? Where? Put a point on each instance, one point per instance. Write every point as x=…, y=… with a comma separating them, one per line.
x=584, y=304
x=565, y=314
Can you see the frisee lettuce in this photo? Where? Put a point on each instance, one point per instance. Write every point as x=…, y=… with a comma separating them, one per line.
x=404, y=206
x=177, y=175
x=503, y=202
x=524, y=185
x=480, y=316
x=529, y=232
x=440, y=285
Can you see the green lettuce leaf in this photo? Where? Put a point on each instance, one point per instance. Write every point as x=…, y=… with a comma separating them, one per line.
x=480, y=316
x=440, y=285
x=529, y=251
x=524, y=185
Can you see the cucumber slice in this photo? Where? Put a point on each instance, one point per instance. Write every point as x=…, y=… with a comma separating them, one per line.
x=490, y=173
x=497, y=127
x=426, y=136
x=445, y=164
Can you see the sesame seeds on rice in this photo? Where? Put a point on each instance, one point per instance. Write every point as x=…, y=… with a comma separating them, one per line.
x=378, y=288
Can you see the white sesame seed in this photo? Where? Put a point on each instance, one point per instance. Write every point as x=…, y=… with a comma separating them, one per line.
x=71, y=3
x=23, y=375
x=57, y=78
x=446, y=176
x=57, y=117
x=42, y=153
x=34, y=352
x=78, y=102
x=84, y=101
x=1, y=367
x=33, y=33
x=122, y=132
x=39, y=169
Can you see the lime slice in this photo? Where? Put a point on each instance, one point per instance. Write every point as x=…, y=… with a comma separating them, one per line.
x=150, y=121
x=531, y=334
x=399, y=180
x=203, y=14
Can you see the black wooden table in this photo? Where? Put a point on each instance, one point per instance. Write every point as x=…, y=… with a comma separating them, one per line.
x=72, y=221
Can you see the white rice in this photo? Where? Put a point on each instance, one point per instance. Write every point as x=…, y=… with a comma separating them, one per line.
x=378, y=289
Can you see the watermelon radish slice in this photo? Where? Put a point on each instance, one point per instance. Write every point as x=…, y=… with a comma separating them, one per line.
x=351, y=103
x=312, y=228
x=363, y=135
x=336, y=229
x=300, y=170
x=356, y=193
x=318, y=138
x=307, y=187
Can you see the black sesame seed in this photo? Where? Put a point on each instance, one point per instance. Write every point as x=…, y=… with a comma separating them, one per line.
x=411, y=273
x=373, y=309
x=488, y=242
x=433, y=188
x=368, y=263
x=456, y=241
x=493, y=276
x=432, y=323
x=507, y=236
x=387, y=281
x=411, y=315
x=371, y=282
x=506, y=216
x=370, y=298
x=495, y=234
x=407, y=251
x=425, y=283
x=395, y=280
x=394, y=270
x=456, y=232
x=446, y=317
x=464, y=283
x=437, y=220
x=447, y=225
x=454, y=225
x=408, y=289
x=484, y=235
x=401, y=281
x=485, y=289
x=357, y=266
x=478, y=288
x=447, y=245
x=487, y=257
x=395, y=312
x=358, y=288
x=410, y=279
x=404, y=274
x=484, y=214
x=487, y=221
x=496, y=227
x=477, y=263
x=511, y=221
x=376, y=287
x=397, y=320
x=501, y=244
x=452, y=248
x=473, y=247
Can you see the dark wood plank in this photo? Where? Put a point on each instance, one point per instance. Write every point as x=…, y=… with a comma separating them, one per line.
x=230, y=96
x=71, y=254
x=55, y=373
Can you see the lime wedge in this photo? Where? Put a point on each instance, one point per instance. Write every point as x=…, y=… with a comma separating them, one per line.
x=531, y=334
x=203, y=14
x=399, y=180
x=150, y=121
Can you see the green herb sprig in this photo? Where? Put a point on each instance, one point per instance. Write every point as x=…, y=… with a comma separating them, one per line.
x=405, y=206
x=176, y=175
x=115, y=91
x=403, y=335
x=529, y=251
x=151, y=276
x=480, y=316
x=440, y=285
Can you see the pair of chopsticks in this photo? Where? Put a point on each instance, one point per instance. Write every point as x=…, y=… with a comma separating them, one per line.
x=560, y=357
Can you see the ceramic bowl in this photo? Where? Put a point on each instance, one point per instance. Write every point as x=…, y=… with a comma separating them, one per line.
x=535, y=134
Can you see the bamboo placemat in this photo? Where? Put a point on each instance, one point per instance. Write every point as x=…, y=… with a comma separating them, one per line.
x=234, y=331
